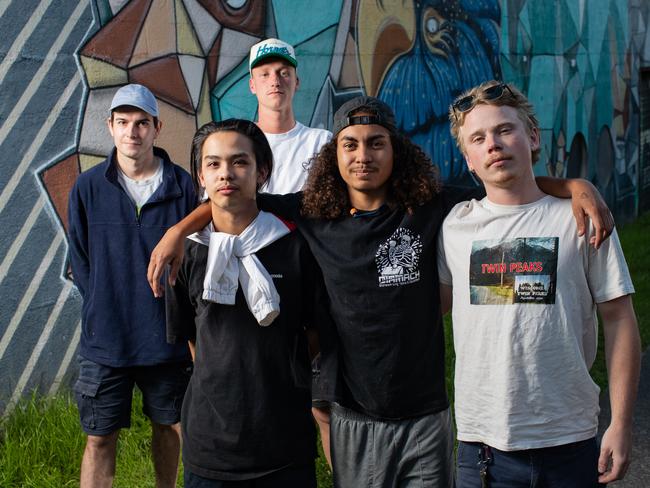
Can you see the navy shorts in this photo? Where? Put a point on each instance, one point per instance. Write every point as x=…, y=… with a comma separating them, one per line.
x=104, y=394
x=290, y=477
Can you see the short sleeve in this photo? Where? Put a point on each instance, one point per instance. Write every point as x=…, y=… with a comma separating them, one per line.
x=608, y=275
x=453, y=195
x=286, y=207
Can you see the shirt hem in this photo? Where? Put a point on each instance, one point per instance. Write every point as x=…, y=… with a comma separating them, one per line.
x=523, y=446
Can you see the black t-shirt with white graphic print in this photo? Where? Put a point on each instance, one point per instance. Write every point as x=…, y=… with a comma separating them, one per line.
x=247, y=410
x=381, y=276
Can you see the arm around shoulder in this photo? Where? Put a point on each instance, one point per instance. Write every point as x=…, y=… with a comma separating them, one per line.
x=586, y=201
x=169, y=251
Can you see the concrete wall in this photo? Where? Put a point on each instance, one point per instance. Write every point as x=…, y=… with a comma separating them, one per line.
x=61, y=61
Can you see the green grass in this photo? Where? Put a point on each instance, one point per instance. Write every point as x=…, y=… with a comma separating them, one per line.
x=41, y=443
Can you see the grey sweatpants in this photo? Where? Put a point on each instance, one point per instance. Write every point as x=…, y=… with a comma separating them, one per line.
x=410, y=453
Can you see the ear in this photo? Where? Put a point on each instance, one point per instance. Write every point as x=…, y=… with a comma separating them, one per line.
x=262, y=175
x=297, y=82
x=109, y=123
x=160, y=124
x=251, y=85
x=534, y=139
x=470, y=166
x=201, y=180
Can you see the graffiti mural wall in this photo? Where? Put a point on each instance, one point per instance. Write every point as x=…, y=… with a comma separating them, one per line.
x=61, y=62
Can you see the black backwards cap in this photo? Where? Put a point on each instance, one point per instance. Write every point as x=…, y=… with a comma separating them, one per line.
x=379, y=114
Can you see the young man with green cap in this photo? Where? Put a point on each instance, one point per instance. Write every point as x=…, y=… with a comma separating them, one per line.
x=274, y=81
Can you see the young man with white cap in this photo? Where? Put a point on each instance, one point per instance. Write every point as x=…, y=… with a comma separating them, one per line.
x=274, y=82
x=118, y=210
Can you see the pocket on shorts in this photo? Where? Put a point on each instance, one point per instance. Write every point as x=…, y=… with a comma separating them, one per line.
x=85, y=390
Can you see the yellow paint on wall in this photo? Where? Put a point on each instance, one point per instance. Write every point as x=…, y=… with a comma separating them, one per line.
x=100, y=73
x=87, y=161
x=158, y=36
x=176, y=134
x=204, y=111
x=384, y=31
x=187, y=41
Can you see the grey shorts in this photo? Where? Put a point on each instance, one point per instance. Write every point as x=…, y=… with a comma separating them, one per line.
x=410, y=453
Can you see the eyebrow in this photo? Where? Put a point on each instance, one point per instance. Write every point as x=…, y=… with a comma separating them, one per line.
x=143, y=119
x=370, y=138
x=230, y=156
x=495, y=128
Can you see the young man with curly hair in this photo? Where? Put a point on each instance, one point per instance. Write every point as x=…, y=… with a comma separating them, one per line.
x=370, y=212
x=525, y=292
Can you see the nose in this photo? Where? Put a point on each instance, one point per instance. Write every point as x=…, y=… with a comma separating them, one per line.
x=224, y=172
x=364, y=154
x=494, y=142
x=132, y=130
x=275, y=79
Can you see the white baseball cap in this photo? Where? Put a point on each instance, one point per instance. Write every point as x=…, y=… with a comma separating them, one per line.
x=271, y=48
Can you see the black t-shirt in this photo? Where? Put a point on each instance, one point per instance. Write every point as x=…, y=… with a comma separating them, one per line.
x=247, y=410
x=381, y=276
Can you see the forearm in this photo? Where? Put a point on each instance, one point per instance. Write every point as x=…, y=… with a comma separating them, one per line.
x=623, y=356
x=192, y=346
x=194, y=222
x=558, y=187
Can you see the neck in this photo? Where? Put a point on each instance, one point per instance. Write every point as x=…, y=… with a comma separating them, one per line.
x=138, y=169
x=233, y=221
x=275, y=121
x=515, y=195
x=366, y=201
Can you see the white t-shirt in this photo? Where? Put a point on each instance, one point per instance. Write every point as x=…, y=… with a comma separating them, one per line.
x=291, y=153
x=524, y=318
x=141, y=190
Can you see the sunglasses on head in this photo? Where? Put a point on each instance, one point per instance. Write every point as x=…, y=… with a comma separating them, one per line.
x=491, y=93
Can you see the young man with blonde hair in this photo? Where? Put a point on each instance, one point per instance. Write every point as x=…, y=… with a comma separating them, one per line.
x=524, y=290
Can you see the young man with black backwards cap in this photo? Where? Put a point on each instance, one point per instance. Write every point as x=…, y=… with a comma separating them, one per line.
x=370, y=212
x=118, y=211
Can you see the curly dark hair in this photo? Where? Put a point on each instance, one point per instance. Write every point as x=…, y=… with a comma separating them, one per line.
x=413, y=182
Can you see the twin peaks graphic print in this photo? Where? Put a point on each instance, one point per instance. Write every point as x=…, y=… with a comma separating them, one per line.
x=397, y=259
x=520, y=270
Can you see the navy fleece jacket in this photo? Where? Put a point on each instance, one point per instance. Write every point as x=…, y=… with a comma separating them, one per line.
x=123, y=324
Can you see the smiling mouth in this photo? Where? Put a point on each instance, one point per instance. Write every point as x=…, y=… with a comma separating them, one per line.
x=363, y=172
